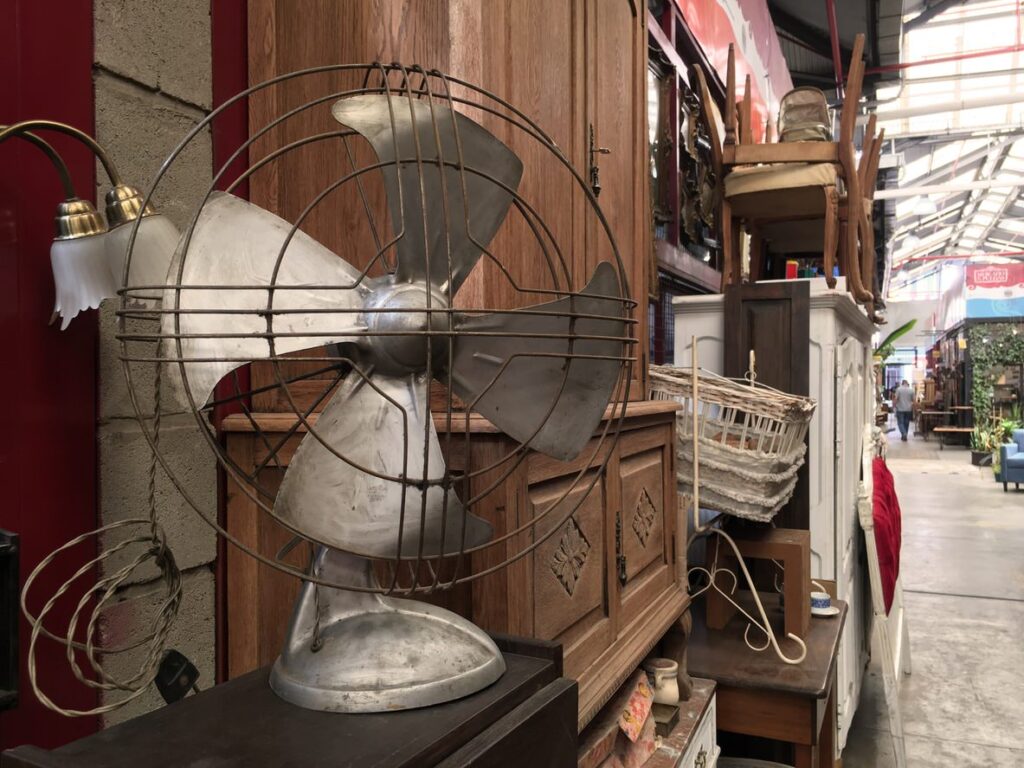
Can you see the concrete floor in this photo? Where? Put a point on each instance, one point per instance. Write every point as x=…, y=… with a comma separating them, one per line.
x=962, y=568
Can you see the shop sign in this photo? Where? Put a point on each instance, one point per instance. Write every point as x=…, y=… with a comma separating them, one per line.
x=995, y=290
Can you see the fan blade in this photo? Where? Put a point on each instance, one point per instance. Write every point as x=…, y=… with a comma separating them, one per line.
x=235, y=245
x=522, y=395
x=328, y=499
x=418, y=212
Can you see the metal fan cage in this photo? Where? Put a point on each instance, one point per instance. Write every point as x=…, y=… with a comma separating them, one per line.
x=409, y=574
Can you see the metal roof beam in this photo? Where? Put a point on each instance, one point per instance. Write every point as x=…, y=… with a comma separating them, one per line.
x=966, y=161
x=946, y=135
x=975, y=201
x=956, y=186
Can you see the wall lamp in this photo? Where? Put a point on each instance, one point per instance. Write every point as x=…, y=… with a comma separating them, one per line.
x=89, y=254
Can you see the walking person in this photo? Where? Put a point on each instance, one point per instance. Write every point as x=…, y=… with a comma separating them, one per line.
x=903, y=402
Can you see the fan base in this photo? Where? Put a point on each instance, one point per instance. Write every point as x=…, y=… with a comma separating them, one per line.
x=376, y=654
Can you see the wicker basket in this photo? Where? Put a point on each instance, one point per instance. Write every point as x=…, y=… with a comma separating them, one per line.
x=751, y=440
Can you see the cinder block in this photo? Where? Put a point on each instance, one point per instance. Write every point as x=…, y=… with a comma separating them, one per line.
x=124, y=491
x=115, y=401
x=139, y=129
x=192, y=633
x=163, y=45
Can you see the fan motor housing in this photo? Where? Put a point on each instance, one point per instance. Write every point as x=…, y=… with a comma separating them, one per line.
x=399, y=336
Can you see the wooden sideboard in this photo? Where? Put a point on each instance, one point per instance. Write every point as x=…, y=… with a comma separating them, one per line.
x=622, y=593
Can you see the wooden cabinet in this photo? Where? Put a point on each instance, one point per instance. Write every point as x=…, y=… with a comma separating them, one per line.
x=576, y=68
x=607, y=585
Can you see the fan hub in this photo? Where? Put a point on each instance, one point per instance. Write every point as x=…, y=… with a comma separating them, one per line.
x=400, y=337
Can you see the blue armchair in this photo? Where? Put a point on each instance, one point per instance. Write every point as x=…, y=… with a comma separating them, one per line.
x=1011, y=460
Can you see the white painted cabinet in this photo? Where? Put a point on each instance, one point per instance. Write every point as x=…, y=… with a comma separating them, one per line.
x=840, y=380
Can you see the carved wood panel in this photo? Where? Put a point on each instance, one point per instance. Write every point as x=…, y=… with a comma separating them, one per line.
x=570, y=569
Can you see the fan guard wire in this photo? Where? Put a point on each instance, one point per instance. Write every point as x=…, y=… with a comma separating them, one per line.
x=153, y=540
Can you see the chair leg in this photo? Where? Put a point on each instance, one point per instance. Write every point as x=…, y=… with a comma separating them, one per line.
x=1006, y=487
x=831, y=242
x=728, y=246
x=844, y=268
x=867, y=256
x=756, y=255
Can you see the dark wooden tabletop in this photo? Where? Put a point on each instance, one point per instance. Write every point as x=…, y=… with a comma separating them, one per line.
x=722, y=656
x=243, y=723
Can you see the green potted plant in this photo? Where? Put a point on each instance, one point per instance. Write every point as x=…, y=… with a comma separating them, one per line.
x=981, y=446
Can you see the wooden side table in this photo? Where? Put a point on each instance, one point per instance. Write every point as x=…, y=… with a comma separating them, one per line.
x=528, y=717
x=925, y=419
x=759, y=695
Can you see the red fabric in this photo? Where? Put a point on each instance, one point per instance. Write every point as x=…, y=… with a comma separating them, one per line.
x=888, y=528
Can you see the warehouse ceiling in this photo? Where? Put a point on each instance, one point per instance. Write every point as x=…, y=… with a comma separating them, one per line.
x=955, y=130
x=804, y=31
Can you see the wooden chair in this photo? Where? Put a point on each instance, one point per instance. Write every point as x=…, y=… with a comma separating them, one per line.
x=767, y=184
x=808, y=235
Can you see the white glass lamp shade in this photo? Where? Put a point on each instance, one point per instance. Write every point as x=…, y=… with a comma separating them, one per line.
x=151, y=256
x=81, y=276
x=925, y=206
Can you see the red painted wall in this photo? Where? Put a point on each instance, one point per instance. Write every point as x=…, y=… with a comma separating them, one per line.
x=47, y=378
x=758, y=54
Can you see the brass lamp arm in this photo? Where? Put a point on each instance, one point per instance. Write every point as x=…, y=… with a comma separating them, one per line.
x=29, y=125
x=55, y=158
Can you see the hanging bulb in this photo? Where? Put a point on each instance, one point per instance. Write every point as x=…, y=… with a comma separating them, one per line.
x=78, y=257
x=155, y=242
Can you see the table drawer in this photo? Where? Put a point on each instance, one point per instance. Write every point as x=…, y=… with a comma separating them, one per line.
x=702, y=751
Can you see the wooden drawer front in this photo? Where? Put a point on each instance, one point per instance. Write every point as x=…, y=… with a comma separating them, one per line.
x=570, y=571
x=647, y=509
x=703, y=749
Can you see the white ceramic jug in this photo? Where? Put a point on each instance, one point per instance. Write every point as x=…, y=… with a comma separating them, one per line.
x=662, y=673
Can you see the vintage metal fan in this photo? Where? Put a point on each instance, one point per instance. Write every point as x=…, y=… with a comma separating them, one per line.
x=368, y=485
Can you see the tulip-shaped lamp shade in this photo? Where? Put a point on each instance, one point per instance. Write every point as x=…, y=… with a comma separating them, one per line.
x=154, y=245
x=78, y=256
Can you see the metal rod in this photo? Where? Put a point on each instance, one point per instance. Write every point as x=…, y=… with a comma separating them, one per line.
x=956, y=105
x=67, y=130
x=934, y=189
x=942, y=59
x=58, y=162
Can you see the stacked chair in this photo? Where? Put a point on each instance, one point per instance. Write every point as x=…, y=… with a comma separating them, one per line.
x=804, y=193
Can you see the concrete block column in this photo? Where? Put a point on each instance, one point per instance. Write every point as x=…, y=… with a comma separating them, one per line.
x=152, y=79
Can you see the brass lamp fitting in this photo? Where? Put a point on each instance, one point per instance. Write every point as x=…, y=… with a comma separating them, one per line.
x=78, y=218
x=124, y=205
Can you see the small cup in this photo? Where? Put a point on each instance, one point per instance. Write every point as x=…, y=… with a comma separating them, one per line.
x=820, y=600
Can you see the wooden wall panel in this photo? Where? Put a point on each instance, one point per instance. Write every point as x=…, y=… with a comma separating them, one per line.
x=616, y=70
x=566, y=64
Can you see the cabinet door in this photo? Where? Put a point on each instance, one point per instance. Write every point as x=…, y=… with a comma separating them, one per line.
x=570, y=570
x=646, y=516
x=849, y=430
x=617, y=111
x=772, y=321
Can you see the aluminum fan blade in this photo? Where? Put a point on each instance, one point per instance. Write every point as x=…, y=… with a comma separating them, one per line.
x=327, y=498
x=473, y=214
x=236, y=244
x=531, y=381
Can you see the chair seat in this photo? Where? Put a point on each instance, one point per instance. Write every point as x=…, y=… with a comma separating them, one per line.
x=766, y=178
